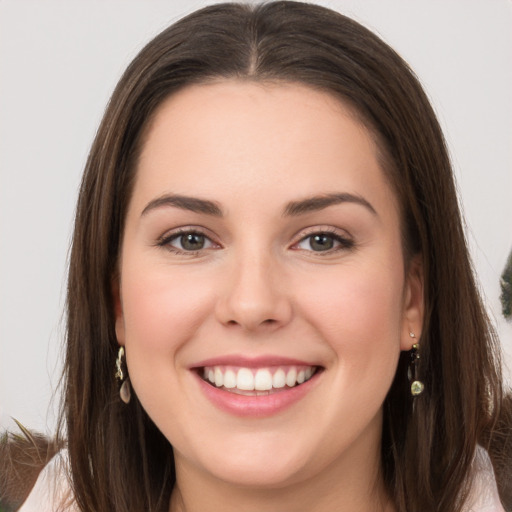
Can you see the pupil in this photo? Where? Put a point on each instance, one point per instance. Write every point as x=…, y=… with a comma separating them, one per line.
x=321, y=242
x=192, y=241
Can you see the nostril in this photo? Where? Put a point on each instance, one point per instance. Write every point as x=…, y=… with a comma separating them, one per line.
x=268, y=321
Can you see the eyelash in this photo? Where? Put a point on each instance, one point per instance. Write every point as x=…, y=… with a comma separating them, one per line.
x=344, y=242
x=165, y=241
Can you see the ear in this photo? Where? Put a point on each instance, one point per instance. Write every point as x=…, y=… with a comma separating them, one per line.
x=413, y=307
x=118, y=311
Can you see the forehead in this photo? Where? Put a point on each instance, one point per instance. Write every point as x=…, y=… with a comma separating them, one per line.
x=231, y=103
x=278, y=138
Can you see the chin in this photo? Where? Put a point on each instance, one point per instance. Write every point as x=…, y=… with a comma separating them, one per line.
x=270, y=476
x=261, y=462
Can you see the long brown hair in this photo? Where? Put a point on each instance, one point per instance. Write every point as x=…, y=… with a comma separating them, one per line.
x=119, y=459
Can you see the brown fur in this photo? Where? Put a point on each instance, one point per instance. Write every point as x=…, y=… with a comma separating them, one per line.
x=22, y=457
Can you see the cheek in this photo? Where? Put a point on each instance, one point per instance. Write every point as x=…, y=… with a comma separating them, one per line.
x=161, y=308
x=359, y=319
x=359, y=315
x=162, y=312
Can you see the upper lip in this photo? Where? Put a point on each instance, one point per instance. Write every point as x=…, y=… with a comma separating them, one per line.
x=252, y=362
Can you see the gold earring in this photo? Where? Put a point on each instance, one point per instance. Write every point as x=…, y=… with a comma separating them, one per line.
x=417, y=386
x=124, y=390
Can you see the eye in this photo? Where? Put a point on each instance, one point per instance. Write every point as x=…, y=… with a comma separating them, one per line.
x=186, y=242
x=324, y=242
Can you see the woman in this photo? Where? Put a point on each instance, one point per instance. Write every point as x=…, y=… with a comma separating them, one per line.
x=268, y=255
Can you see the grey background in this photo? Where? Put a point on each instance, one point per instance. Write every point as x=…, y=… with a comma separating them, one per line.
x=59, y=61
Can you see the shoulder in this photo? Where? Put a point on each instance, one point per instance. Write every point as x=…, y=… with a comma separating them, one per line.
x=484, y=495
x=52, y=491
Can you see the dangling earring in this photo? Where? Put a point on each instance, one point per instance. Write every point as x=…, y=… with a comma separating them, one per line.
x=417, y=386
x=124, y=390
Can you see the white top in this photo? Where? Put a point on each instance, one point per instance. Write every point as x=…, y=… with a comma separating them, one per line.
x=52, y=492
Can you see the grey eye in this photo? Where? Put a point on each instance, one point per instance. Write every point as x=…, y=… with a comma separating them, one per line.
x=192, y=241
x=324, y=242
x=321, y=242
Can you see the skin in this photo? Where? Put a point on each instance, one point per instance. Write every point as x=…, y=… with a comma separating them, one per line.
x=258, y=287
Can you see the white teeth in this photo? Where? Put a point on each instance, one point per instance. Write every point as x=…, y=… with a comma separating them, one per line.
x=230, y=379
x=291, y=377
x=219, y=378
x=263, y=380
x=279, y=379
x=245, y=379
x=259, y=380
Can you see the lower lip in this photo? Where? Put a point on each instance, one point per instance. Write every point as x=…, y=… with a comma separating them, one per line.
x=256, y=406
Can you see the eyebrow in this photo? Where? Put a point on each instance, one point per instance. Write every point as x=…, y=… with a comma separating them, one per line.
x=192, y=204
x=292, y=209
x=316, y=203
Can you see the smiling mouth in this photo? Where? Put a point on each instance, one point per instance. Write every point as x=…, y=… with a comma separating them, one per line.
x=257, y=381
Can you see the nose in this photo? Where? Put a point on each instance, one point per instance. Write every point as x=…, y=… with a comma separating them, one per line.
x=254, y=295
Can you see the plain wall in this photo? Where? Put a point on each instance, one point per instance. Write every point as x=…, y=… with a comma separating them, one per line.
x=59, y=62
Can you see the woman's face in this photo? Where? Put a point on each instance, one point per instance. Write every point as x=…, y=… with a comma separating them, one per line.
x=263, y=300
